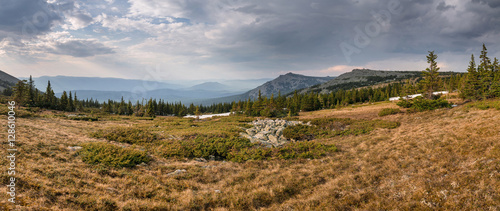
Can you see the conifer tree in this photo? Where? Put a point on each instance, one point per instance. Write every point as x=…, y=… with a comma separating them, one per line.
x=471, y=86
x=485, y=73
x=20, y=93
x=150, y=111
x=431, y=75
x=71, y=105
x=49, y=97
x=31, y=92
x=63, y=103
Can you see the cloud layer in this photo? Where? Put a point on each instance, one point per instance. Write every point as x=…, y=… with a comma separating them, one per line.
x=184, y=39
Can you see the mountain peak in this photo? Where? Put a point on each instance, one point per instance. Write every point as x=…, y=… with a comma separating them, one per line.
x=287, y=83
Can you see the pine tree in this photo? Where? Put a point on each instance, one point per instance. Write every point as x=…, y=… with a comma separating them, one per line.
x=150, y=111
x=485, y=73
x=20, y=93
x=71, y=105
x=31, y=92
x=63, y=103
x=431, y=75
x=49, y=97
x=495, y=86
x=471, y=86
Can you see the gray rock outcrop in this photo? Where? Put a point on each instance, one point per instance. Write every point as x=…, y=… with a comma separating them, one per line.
x=269, y=132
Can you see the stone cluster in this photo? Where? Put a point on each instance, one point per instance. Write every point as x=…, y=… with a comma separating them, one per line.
x=269, y=132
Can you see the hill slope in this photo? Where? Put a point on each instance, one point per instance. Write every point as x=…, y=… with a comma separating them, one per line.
x=7, y=80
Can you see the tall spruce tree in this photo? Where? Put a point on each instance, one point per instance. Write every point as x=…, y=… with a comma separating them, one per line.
x=63, y=103
x=431, y=75
x=485, y=73
x=49, y=97
x=71, y=105
x=471, y=86
x=21, y=93
x=31, y=92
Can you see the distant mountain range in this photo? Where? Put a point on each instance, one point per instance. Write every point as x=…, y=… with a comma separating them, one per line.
x=210, y=86
x=283, y=84
x=103, y=89
x=68, y=83
x=6, y=80
x=205, y=93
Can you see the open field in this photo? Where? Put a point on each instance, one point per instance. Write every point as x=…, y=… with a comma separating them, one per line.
x=443, y=159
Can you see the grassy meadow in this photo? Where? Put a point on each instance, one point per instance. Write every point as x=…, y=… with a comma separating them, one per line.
x=445, y=159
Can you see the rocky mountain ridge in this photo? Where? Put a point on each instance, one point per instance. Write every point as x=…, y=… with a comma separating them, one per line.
x=361, y=77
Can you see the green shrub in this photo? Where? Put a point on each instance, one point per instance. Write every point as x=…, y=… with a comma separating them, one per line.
x=204, y=146
x=421, y=104
x=299, y=132
x=405, y=104
x=389, y=111
x=240, y=150
x=485, y=105
x=84, y=118
x=126, y=135
x=111, y=155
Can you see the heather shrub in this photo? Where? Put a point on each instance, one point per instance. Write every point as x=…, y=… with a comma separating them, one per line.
x=389, y=111
x=111, y=155
x=126, y=135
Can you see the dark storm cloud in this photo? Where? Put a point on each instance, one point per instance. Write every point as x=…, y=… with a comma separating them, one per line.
x=443, y=7
x=309, y=32
x=491, y=3
x=80, y=48
x=26, y=18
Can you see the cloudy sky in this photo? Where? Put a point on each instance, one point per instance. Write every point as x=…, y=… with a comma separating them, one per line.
x=236, y=39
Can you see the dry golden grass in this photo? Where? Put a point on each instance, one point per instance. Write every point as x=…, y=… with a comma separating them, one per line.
x=445, y=159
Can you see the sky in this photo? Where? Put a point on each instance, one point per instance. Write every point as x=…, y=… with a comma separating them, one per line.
x=169, y=40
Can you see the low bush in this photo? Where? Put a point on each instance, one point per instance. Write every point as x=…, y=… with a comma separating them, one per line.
x=126, y=135
x=240, y=149
x=204, y=146
x=485, y=105
x=421, y=104
x=299, y=132
x=389, y=111
x=84, y=118
x=405, y=104
x=111, y=155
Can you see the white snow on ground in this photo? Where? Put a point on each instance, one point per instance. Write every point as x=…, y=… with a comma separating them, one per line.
x=207, y=115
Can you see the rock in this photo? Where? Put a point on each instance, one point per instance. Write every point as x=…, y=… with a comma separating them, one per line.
x=261, y=136
x=279, y=132
x=177, y=172
x=217, y=191
x=75, y=148
x=200, y=160
x=269, y=132
x=244, y=135
x=211, y=157
x=273, y=139
x=250, y=131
